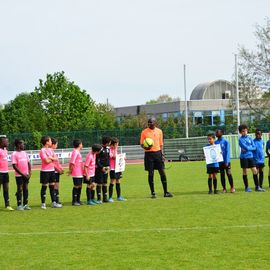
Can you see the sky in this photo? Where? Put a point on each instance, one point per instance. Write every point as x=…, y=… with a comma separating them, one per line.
x=122, y=50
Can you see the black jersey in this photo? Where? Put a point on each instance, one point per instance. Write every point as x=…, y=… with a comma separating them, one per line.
x=103, y=158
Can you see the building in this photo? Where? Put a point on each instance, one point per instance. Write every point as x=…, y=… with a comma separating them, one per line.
x=210, y=103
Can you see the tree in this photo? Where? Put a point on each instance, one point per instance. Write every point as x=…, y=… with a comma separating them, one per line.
x=105, y=116
x=162, y=99
x=23, y=114
x=65, y=105
x=254, y=71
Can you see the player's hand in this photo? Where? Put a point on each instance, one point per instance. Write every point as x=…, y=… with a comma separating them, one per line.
x=163, y=158
x=61, y=172
x=147, y=148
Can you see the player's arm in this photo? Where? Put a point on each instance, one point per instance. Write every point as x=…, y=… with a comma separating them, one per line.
x=245, y=147
x=14, y=165
x=29, y=169
x=267, y=149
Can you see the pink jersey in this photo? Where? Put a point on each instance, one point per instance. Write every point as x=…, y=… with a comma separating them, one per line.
x=57, y=166
x=90, y=164
x=113, y=153
x=3, y=160
x=45, y=153
x=20, y=159
x=76, y=160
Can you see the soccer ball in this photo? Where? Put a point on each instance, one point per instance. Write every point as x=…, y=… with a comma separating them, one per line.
x=148, y=142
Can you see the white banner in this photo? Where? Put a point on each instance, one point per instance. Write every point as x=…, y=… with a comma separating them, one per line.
x=213, y=153
x=120, y=162
x=37, y=157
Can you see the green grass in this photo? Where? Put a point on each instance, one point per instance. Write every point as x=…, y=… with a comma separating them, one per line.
x=192, y=230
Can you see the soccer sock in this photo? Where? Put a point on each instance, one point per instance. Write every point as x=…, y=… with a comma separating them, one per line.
x=163, y=179
x=74, y=194
x=52, y=193
x=230, y=178
x=222, y=179
x=43, y=194
x=215, y=183
x=25, y=196
x=245, y=179
x=256, y=181
x=98, y=192
x=151, y=182
x=111, y=190
x=118, y=189
x=92, y=194
x=261, y=179
x=210, y=184
x=88, y=193
x=19, y=196
x=104, y=192
x=79, y=190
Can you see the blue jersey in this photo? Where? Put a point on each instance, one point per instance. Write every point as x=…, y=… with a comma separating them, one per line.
x=267, y=148
x=247, y=147
x=259, y=152
x=225, y=148
x=215, y=165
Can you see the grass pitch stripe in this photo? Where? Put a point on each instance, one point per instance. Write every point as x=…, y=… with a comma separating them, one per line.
x=196, y=228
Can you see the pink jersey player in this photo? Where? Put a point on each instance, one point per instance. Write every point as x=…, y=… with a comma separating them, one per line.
x=21, y=160
x=77, y=162
x=44, y=153
x=90, y=164
x=3, y=160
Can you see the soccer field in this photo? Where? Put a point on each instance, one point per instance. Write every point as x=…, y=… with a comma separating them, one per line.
x=192, y=230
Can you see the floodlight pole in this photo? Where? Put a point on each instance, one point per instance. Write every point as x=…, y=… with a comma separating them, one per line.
x=237, y=90
x=186, y=104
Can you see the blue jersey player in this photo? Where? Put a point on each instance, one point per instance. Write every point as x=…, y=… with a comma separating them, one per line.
x=224, y=166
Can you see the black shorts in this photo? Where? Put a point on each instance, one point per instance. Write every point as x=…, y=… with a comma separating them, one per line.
x=153, y=161
x=247, y=163
x=57, y=177
x=115, y=175
x=210, y=170
x=101, y=177
x=260, y=165
x=90, y=181
x=77, y=181
x=222, y=167
x=20, y=180
x=4, y=178
x=47, y=177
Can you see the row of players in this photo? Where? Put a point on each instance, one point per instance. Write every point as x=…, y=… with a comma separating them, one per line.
x=252, y=156
x=99, y=162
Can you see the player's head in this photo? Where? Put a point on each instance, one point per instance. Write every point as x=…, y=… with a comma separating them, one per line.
x=114, y=141
x=77, y=143
x=19, y=144
x=258, y=133
x=219, y=132
x=106, y=140
x=152, y=122
x=46, y=140
x=96, y=148
x=211, y=138
x=54, y=143
x=3, y=142
x=243, y=129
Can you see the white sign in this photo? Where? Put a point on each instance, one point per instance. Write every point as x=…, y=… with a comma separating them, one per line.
x=213, y=153
x=120, y=162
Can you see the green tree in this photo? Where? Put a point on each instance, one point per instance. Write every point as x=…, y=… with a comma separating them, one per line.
x=105, y=116
x=65, y=105
x=23, y=114
x=162, y=99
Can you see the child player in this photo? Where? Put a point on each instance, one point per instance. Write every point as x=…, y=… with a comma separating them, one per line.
x=76, y=171
x=4, y=176
x=89, y=173
x=58, y=171
x=246, y=158
x=21, y=165
x=114, y=176
x=102, y=169
x=259, y=155
x=212, y=169
x=226, y=164
x=267, y=148
x=47, y=173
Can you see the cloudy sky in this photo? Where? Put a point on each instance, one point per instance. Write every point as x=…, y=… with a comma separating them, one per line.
x=126, y=51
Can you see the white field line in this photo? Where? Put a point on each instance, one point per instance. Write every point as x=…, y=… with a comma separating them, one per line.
x=159, y=230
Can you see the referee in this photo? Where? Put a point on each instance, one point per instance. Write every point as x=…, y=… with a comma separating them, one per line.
x=154, y=157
